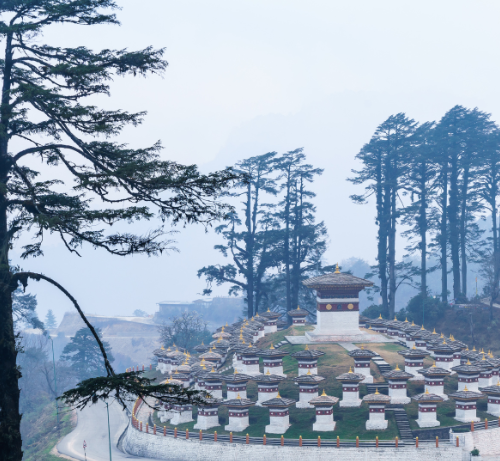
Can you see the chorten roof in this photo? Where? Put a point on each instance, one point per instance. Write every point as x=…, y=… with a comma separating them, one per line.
x=467, y=369
x=491, y=390
x=239, y=403
x=298, y=312
x=324, y=399
x=376, y=398
x=434, y=371
x=362, y=353
x=428, y=397
x=397, y=374
x=350, y=376
x=278, y=402
x=414, y=352
x=210, y=402
x=272, y=352
x=337, y=279
x=222, y=334
x=309, y=378
x=237, y=378
x=268, y=378
x=201, y=348
x=307, y=353
x=210, y=355
x=270, y=315
x=466, y=395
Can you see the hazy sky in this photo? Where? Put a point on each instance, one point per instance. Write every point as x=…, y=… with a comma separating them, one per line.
x=249, y=77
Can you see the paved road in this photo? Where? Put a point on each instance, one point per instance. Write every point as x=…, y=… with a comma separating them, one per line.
x=92, y=427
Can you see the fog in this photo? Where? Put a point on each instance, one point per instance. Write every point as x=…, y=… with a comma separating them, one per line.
x=249, y=77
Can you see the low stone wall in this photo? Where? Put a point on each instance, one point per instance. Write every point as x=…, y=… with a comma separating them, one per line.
x=149, y=446
x=486, y=441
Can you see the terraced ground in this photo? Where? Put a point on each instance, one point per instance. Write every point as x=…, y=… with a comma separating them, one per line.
x=350, y=421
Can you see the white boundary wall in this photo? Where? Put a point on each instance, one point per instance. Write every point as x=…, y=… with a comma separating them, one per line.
x=159, y=447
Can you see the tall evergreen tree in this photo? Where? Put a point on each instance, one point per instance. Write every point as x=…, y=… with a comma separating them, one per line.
x=385, y=164
x=50, y=320
x=45, y=116
x=420, y=184
x=246, y=240
x=84, y=354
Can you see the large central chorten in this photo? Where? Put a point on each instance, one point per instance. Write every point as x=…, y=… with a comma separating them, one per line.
x=337, y=297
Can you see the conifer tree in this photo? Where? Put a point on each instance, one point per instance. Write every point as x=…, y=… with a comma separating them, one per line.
x=46, y=116
x=50, y=320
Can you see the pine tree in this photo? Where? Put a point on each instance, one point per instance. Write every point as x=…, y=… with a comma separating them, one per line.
x=84, y=354
x=46, y=116
x=50, y=320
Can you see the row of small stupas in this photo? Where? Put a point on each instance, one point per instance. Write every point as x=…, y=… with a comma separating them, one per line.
x=478, y=375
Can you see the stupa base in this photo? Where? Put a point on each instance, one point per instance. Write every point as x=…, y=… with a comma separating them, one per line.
x=376, y=425
x=235, y=427
x=350, y=403
x=324, y=427
x=205, y=425
x=367, y=380
x=427, y=423
x=270, y=429
x=418, y=378
x=468, y=420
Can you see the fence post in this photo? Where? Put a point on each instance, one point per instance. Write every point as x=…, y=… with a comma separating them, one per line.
x=147, y=428
x=486, y=423
x=472, y=426
x=282, y=441
x=397, y=441
x=215, y=436
x=141, y=426
x=376, y=441
x=264, y=439
x=154, y=429
x=201, y=435
x=164, y=431
x=175, y=433
x=338, y=441
x=458, y=441
x=357, y=441
x=187, y=433
x=437, y=441
x=248, y=440
x=143, y=368
x=300, y=440
x=231, y=437
x=319, y=441
x=416, y=442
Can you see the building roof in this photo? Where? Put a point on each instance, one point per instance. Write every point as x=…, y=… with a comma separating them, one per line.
x=434, y=371
x=278, y=402
x=428, y=397
x=272, y=352
x=237, y=378
x=307, y=353
x=239, y=403
x=413, y=352
x=362, y=353
x=309, y=378
x=298, y=312
x=210, y=355
x=337, y=279
x=270, y=315
x=350, y=376
x=324, y=399
x=467, y=369
x=491, y=390
x=268, y=378
x=466, y=395
x=397, y=374
x=376, y=398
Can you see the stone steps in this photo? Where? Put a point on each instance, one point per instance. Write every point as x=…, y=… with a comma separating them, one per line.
x=402, y=422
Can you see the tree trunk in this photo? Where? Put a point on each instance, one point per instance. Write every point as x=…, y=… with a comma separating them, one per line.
x=250, y=256
x=287, y=239
x=423, y=230
x=454, y=227
x=382, y=235
x=443, y=240
x=392, y=254
x=463, y=230
x=10, y=419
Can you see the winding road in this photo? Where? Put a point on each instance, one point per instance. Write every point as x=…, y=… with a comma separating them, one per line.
x=92, y=426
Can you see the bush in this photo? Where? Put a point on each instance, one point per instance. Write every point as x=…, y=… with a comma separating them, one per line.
x=426, y=310
x=373, y=311
x=475, y=452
